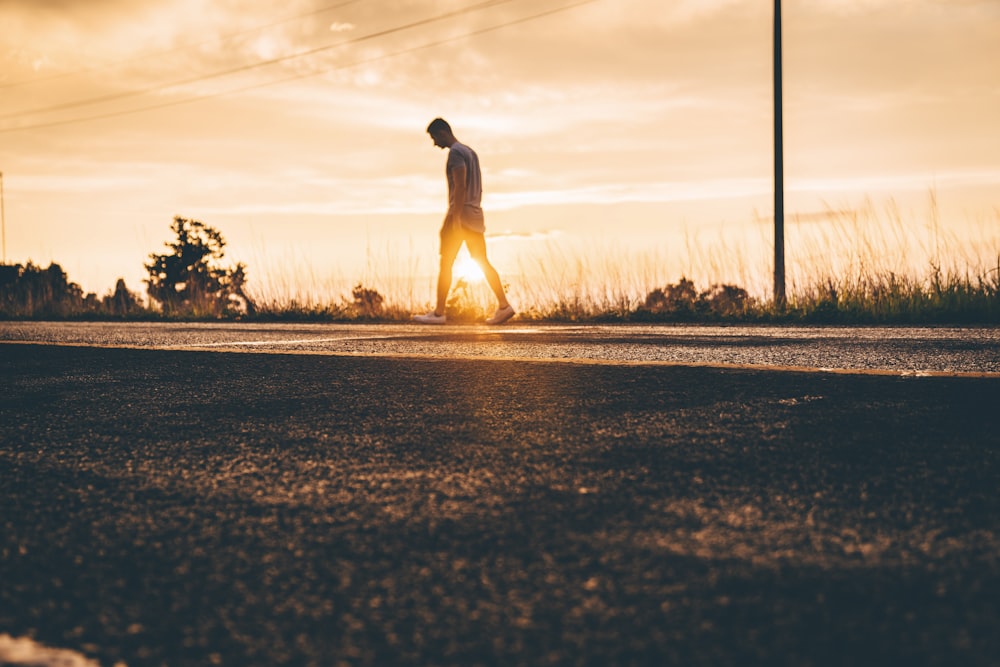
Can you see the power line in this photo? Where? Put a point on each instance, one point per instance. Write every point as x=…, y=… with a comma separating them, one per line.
x=297, y=77
x=165, y=52
x=257, y=65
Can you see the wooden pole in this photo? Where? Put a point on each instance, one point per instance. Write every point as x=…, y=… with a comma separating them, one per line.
x=779, y=176
x=3, y=223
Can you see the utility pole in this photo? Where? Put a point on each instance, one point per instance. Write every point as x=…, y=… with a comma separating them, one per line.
x=3, y=223
x=779, y=175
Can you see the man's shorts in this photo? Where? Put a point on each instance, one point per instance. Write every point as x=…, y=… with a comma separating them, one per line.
x=452, y=240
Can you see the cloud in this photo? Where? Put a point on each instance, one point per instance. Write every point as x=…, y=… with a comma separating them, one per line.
x=63, y=184
x=25, y=651
x=635, y=102
x=616, y=193
x=540, y=235
x=900, y=181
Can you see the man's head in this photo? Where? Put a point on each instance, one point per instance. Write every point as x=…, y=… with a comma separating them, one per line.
x=441, y=133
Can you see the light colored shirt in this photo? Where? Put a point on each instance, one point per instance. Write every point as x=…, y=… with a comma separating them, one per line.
x=472, y=213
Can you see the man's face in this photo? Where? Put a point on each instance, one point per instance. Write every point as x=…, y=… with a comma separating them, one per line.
x=439, y=139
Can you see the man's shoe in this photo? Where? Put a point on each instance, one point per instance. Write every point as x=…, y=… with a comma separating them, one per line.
x=502, y=315
x=431, y=318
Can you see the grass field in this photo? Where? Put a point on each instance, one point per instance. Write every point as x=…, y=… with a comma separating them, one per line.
x=869, y=264
x=875, y=263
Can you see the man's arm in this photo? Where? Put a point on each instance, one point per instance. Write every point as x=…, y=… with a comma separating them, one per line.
x=456, y=182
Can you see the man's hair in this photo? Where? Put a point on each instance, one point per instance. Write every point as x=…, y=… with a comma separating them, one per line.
x=437, y=125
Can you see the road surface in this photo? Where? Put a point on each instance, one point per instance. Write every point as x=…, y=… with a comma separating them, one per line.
x=467, y=496
x=893, y=350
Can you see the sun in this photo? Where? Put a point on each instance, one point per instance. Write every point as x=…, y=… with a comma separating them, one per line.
x=465, y=268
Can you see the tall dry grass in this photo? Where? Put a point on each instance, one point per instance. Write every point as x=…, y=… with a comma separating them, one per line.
x=873, y=263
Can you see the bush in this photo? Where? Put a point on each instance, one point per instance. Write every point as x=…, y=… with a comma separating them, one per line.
x=683, y=302
x=367, y=302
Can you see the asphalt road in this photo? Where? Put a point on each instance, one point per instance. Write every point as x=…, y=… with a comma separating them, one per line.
x=892, y=350
x=179, y=507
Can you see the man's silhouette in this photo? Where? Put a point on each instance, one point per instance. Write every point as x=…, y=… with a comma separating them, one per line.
x=463, y=223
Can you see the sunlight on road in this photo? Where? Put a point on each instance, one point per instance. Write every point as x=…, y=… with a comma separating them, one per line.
x=907, y=352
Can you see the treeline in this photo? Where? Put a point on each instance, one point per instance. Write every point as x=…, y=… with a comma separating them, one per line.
x=29, y=291
x=188, y=281
x=184, y=282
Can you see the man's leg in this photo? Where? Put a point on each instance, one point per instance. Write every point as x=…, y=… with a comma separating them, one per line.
x=451, y=241
x=476, y=243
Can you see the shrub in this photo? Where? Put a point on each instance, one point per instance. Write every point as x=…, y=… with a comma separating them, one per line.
x=367, y=302
x=683, y=301
x=188, y=282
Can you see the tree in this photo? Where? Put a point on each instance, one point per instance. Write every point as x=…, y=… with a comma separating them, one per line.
x=189, y=281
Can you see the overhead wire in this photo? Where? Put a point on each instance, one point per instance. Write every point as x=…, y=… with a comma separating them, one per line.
x=251, y=66
x=166, y=52
x=326, y=70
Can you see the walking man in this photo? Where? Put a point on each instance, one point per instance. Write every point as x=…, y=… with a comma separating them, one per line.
x=463, y=223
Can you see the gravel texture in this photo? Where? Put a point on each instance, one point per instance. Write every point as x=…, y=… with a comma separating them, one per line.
x=197, y=508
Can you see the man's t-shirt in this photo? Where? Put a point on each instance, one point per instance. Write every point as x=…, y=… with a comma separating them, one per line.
x=472, y=212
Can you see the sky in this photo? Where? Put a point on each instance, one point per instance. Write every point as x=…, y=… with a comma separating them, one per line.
x=605, y=128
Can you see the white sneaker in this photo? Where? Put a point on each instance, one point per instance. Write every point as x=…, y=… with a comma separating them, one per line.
x=430, y=318
x=502, y=315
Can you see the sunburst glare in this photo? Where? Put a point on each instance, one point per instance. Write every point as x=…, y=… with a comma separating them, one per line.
x=465, y=268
